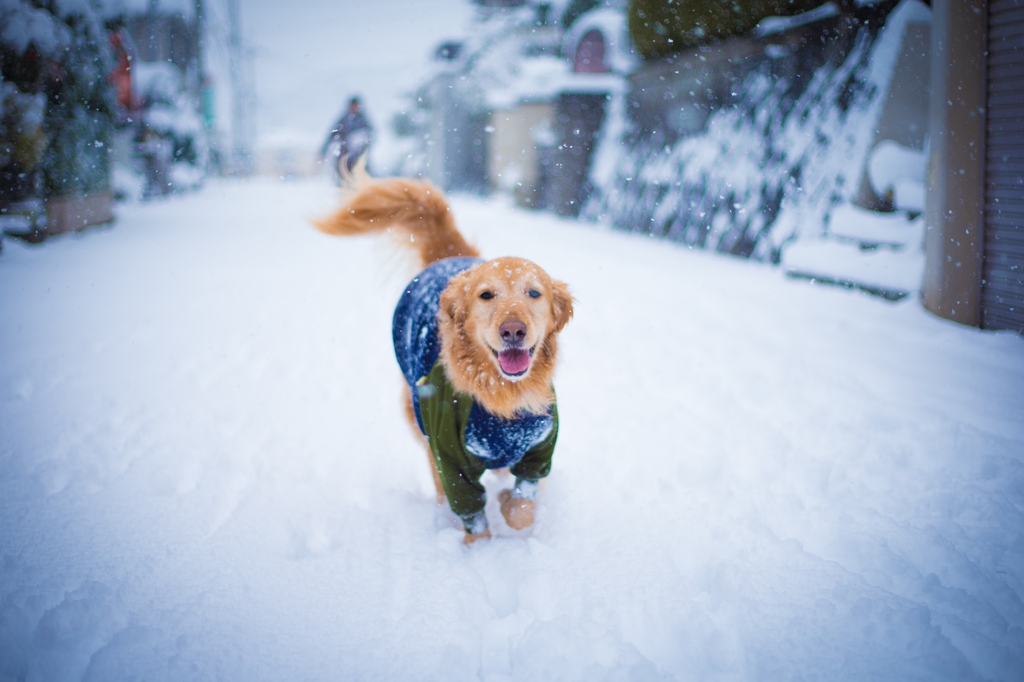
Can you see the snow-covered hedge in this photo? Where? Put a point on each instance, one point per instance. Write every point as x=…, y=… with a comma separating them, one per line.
x=663, y=27
x=762, y=147
x=55, y=58
x=169, y=112
x=79, y=116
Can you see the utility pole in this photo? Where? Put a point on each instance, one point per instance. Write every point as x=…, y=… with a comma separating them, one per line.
x=241, y=161
x=199, y=49
x=153, y=37
x=204, y=88
x=204, y=95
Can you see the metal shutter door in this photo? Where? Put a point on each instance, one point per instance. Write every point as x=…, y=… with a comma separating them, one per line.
x=1003, y=284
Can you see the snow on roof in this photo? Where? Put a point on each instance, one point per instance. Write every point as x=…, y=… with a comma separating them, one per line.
x=25, y=25
x=506, y=60
x=113, y=7
x=535, y=79
x=69, y=7
x=614, y=28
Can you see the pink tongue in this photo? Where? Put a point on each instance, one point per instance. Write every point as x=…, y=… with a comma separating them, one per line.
x=514, y=361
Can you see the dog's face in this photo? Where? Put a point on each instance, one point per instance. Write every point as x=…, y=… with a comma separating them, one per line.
x=503, y=315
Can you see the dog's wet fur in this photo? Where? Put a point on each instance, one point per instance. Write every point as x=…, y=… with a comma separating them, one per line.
x=495, y=311
x=498, y=321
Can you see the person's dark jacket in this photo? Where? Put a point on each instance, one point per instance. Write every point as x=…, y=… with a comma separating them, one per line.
x=352, y=131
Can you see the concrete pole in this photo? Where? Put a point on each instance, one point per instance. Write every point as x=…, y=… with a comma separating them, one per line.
x=241, y=162
x=955, y=200
x=199, y=51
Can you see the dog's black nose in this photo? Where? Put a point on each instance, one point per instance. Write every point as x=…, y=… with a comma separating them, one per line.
x=512, y=332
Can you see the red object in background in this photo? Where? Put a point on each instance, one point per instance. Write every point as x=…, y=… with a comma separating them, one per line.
x=121, y=76
x=590, y=54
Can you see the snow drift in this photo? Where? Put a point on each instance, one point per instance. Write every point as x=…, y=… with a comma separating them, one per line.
x=204, y=473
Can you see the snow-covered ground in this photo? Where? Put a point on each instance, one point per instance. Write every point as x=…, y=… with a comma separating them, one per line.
x=205, y=474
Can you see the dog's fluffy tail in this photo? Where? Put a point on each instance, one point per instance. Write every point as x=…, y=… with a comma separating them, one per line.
x=414, y=212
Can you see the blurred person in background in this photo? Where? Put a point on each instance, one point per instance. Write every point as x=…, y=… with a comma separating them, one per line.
x=349, y=139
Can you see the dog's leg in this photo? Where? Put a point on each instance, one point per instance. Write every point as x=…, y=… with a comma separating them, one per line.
x=518, y=512
x=470, y=538
x=410, y=417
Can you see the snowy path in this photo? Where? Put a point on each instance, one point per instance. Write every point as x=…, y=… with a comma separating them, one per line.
x=204, y=473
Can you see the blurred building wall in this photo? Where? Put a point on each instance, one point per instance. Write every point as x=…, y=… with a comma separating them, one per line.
x=1002, y=289
x=514, y=150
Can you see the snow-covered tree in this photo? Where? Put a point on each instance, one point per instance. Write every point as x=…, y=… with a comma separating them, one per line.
x=80, y=104
x=56, y=101
x=31, y=39
x=170, y=126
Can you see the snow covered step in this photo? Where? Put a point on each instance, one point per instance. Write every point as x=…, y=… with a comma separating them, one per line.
x=888, y=272
x=871, y=228
x=900, y=171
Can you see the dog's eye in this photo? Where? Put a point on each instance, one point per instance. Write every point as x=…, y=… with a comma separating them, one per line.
x=534, y=293
x=487, y=295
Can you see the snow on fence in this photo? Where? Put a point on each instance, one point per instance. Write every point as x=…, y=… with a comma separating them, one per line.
x=746, y=146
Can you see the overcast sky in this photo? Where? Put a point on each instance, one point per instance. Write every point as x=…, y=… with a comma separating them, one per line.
x=312, y=55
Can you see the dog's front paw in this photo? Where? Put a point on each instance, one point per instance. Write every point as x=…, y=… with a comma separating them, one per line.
x=471, y=537
x=518, y=512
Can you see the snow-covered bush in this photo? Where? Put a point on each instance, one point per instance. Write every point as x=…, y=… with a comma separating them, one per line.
x=80, y=105
x=664, y=27
x=30, y=41
x=758, y=152
x=171, y=132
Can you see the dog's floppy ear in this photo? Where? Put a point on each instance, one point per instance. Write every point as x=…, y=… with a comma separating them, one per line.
x=561, y=304
x=451, y=306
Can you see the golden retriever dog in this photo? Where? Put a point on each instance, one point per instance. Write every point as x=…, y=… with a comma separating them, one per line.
x=477, y=342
